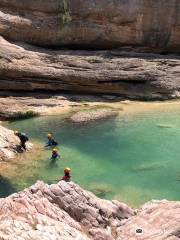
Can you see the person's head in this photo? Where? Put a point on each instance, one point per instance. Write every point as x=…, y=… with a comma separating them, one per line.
x=67, y=171
x=54, y=151
x=49, y=136
x=16, y=133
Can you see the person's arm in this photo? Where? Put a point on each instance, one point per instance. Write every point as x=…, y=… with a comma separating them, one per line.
x=48, y=144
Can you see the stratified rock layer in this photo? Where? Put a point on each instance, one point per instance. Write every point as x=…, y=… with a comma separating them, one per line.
x=92, y=24
x=65, y=211
x=137, y=76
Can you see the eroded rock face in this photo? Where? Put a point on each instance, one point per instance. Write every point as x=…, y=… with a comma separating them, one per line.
x=157, y=220
x=93, y=24
x=59, y=211
x=133, y=75
x=66, y=211
x=125, y=24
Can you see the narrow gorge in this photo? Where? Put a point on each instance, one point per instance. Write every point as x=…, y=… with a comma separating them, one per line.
x=83, y=68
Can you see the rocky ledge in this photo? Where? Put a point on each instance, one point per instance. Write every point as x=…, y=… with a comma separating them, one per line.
x=65, y=211
x=129, y=74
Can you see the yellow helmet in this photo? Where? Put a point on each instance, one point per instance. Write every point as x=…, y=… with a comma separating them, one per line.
x=49, y=135
x=55, y=150
x=67, y=170
x=16, y=132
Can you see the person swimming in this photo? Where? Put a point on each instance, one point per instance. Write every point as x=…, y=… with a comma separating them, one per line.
x=51, y=142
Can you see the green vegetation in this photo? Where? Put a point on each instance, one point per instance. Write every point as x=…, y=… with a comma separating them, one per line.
x=24, y=115
x=65, y=13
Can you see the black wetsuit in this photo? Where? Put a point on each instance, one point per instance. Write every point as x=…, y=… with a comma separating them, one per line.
x=23, y=138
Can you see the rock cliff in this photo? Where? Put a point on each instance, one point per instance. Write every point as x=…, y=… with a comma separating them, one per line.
x=65, y=211
x=132, y=75
x=92, y=24
x=136, y=25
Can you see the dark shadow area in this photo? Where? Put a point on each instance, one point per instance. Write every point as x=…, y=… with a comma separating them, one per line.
x=75, y=96
x=111, y=52
x=6, y=188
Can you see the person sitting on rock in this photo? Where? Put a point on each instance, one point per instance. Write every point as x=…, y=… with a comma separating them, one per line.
x=51, y=142
x=67, y=175
x=23, y=139
x=55, y=155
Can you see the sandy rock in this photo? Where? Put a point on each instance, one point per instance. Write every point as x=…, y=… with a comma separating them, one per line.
x=92, y=115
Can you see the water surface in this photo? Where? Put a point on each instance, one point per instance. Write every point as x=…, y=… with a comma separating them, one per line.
x=132, y=158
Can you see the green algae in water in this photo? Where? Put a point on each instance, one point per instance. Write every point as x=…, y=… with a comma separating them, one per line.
x=127, y=158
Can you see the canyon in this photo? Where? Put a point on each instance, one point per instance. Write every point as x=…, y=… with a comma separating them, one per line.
x=128, y=40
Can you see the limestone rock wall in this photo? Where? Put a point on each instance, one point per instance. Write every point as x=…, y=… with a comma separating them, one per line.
x=32, y=33
x=93, y=23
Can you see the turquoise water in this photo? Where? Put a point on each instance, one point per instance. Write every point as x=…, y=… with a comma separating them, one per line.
x=129, y=158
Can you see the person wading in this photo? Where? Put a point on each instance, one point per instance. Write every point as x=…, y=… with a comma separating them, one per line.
x=23, y=139
x=67, y=175
x=51, y=142
x=55, y=155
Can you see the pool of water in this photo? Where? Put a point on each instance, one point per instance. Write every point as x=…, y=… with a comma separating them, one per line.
x=132, y=158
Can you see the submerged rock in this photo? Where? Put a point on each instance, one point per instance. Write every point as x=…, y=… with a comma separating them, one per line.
x=149, y=166
x=165, y=125
x=93, y=114
x=100, y=189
